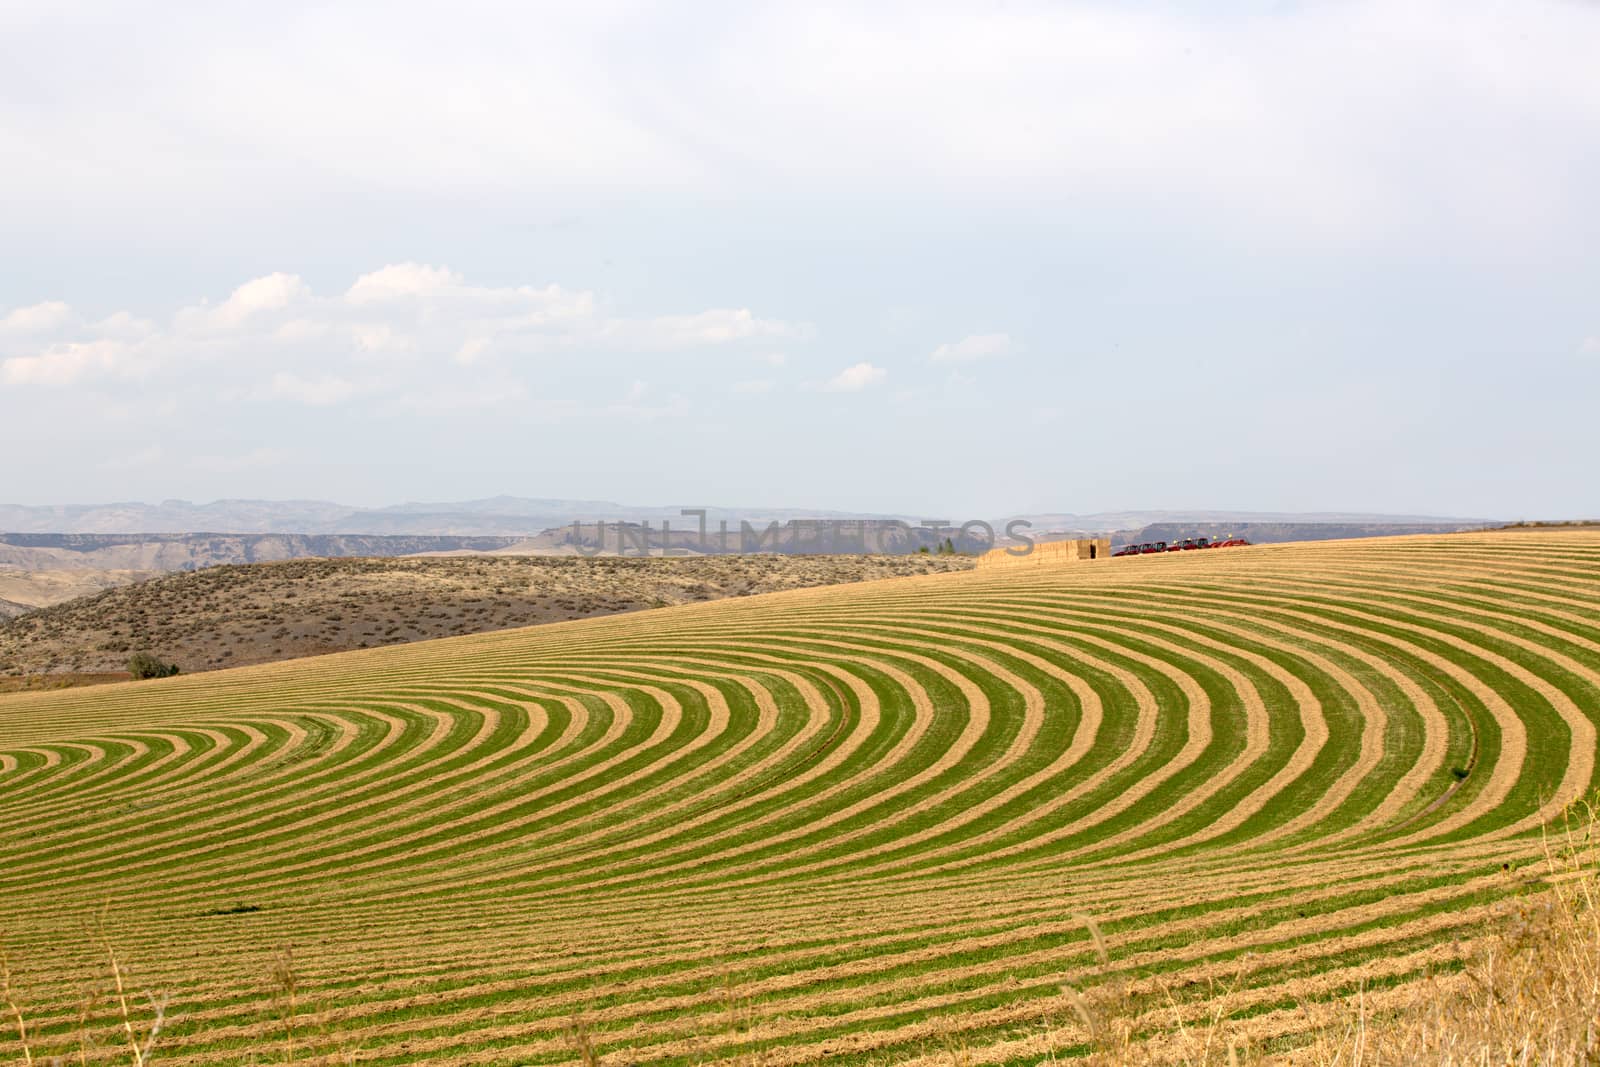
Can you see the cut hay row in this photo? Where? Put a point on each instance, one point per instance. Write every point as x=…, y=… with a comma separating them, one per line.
x=857, y=822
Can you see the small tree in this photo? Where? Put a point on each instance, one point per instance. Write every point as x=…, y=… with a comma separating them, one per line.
x=143, y=665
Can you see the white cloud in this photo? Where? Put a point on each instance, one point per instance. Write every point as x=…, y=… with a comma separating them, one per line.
x=774, y=359
x=400, y=280
x=37, y=318
x=973, y=347
x=396, y=331
x=714, y=327
x=123, y=325
x=68, y=364
x=1243, y=108
x=855, y=378
x=1590, y=346
x=376, y=338
x=274, y=292
x=762, y=385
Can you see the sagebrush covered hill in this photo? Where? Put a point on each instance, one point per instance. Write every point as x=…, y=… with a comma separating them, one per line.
x=255, y=613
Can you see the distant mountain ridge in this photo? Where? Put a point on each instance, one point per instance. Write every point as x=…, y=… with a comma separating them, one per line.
x=508, y=516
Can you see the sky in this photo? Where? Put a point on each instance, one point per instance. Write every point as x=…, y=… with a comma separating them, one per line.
x=947, y=259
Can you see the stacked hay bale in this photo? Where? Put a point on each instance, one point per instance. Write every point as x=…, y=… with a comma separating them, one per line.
x=1072, y=551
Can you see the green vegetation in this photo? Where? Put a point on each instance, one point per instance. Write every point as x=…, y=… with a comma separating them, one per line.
x=859, y=824
x=145, y=665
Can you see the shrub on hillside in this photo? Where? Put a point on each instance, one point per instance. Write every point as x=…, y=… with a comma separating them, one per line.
x=144, y=665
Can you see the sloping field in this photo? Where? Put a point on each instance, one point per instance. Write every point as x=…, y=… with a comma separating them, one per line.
x=854, y=824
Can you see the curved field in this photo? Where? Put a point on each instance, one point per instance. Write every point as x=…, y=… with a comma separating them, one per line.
x=856, y=823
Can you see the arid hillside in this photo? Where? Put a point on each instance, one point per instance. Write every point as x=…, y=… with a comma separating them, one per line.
x=22, y=591
x=236, y=615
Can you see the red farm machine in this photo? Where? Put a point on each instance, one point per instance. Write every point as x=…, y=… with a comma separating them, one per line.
x=1188, y=544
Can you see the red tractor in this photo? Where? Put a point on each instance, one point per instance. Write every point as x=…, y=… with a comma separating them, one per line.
x=1188, y=544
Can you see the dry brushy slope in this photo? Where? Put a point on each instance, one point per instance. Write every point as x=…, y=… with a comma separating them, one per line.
x=26, y=590
x=256, y=613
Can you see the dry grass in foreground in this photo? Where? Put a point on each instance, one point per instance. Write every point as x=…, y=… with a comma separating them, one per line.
x=1529, y=994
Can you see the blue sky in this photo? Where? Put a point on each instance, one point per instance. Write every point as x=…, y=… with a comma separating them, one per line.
x=964, y=259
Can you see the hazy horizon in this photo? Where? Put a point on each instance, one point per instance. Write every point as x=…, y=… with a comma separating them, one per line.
x=322, y=516
x=758, y=506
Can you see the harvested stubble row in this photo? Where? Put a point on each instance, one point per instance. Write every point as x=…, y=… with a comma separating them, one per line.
x=853, y=823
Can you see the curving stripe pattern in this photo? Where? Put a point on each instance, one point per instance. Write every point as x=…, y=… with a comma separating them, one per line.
x=856, y=823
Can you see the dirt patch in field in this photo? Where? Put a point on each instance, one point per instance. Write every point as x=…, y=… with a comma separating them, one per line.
x=28, y=683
